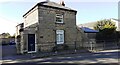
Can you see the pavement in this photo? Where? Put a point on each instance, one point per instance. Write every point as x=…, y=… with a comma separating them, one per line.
x=84, y=58
x=107, y=56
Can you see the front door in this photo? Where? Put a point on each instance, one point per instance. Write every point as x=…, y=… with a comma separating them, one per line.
x=31, y=42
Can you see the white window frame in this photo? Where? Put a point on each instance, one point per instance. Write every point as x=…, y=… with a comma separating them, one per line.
x=60, y=16
x=59, y=36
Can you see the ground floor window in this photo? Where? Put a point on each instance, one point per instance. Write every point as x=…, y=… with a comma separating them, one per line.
x=60, y=36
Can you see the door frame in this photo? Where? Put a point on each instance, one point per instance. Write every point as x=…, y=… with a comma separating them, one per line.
x=35, y=45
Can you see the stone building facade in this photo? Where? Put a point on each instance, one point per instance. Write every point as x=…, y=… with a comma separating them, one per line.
x=49, y=26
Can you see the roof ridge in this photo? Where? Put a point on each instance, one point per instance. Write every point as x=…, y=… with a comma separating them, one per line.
x=52, y=5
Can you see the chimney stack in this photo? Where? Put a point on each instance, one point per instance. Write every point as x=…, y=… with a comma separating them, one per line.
x=62, y=3
x=47, y=0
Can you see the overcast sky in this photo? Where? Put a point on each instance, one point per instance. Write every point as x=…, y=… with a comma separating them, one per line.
x=11, y=11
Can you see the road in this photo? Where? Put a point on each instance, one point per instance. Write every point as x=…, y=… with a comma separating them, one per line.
x=34, y=63
x=8, y=50
x=100, y=58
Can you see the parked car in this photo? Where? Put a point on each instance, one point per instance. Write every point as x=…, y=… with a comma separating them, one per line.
x=12, y=43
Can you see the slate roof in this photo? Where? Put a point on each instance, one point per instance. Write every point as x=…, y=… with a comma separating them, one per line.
x=88, y=25
x=88, y=30
x=21, y=24
x=52, y=5
x=115, y=19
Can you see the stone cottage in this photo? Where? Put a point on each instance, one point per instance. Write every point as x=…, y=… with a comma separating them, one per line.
x=49, y=26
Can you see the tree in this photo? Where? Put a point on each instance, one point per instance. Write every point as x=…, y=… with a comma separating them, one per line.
x=13, y=36
x=104, y=24
x=106, y=29
x=5, y=35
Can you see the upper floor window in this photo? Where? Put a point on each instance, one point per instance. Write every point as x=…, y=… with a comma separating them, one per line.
x=59, y=18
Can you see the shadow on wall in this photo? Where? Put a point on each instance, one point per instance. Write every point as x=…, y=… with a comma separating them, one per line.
x=84, y=37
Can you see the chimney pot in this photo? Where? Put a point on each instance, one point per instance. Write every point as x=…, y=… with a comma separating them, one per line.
x=62, y=3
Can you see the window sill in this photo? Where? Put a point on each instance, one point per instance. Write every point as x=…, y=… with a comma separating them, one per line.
x=59, y=23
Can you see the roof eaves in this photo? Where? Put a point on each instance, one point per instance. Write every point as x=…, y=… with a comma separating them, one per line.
x=20, y=24
x=30, y=10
